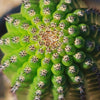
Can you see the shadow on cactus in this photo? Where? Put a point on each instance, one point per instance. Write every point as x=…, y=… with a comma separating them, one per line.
x=50, y=47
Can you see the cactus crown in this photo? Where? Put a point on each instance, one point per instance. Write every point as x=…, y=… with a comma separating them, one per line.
x=50, y=44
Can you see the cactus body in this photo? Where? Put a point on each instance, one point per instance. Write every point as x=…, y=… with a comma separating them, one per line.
x=49, y=45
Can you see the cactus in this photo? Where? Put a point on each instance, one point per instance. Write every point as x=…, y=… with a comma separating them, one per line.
x=49, y=47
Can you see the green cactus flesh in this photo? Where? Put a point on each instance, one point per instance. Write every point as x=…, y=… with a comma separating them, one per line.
x=48, y=47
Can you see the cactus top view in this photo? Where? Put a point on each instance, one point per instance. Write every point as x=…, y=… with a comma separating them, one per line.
x=51, y=48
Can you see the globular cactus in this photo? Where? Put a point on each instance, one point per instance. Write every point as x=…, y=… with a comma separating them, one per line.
x=50, y=47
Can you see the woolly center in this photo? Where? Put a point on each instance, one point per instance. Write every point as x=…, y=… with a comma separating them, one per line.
x=50, y=38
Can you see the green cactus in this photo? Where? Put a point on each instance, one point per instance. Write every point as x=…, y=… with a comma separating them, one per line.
x=49, y=45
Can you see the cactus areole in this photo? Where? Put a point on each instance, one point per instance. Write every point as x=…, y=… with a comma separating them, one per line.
x=48, y=46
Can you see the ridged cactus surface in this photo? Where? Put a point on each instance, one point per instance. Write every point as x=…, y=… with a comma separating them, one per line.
x=49, y=47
